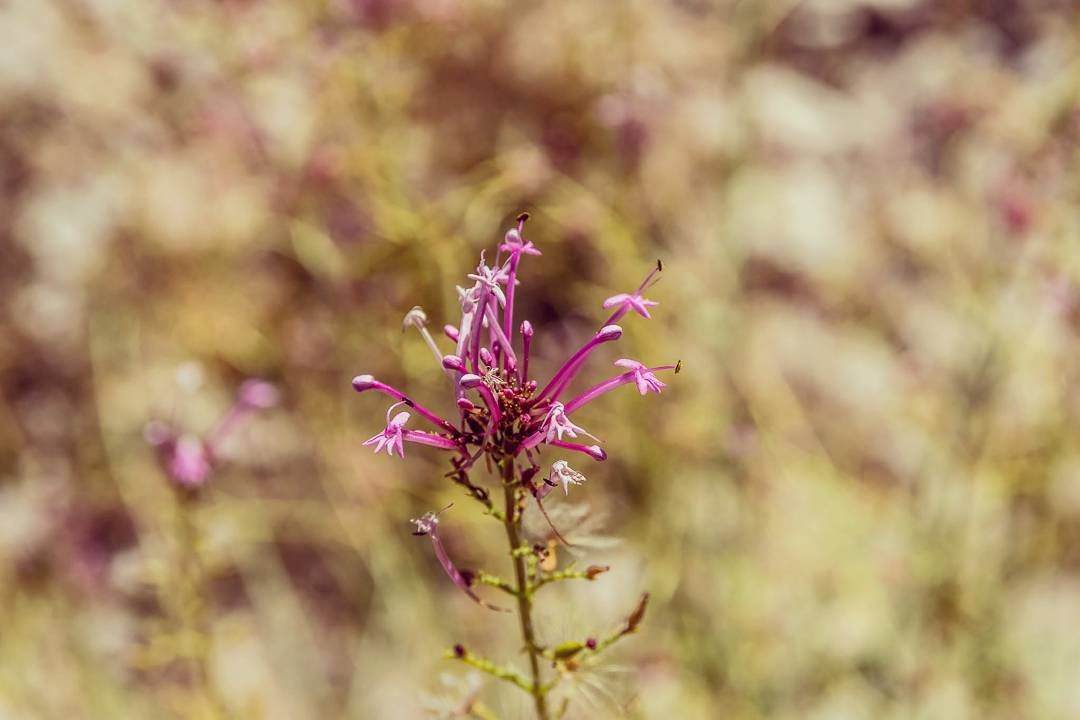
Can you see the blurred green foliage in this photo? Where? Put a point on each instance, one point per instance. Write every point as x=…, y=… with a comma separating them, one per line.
x=861, y=498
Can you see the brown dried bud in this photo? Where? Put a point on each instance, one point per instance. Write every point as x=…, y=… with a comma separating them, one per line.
x=635, y=617
x=593, y=570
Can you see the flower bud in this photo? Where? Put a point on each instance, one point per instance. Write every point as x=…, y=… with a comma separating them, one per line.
x=453, y=362
x=471, y=381
x=361, y=383
x=593, y=570
x=609, y=332
x=414, y=318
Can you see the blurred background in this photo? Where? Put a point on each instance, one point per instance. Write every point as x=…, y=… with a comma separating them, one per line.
x=860, y=498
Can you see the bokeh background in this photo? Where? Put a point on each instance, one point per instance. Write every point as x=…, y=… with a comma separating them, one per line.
x=860, y=498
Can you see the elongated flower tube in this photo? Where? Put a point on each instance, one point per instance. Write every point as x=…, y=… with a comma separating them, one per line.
x=625, y=302
x=251, y=397
x=639, y=374
x=361, y=383
x=594, y=451
x=571, y=367
x=503, y=342
x=428, y=524
x=526, y=343
x=514, y=244
x=418, y=319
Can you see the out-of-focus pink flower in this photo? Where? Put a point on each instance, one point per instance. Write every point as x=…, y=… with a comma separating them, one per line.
x=189, y=459
x=625, y=302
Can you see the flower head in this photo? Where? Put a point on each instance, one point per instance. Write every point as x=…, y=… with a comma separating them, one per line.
x=561, y=472
x=625, y=302
x=556, y=423
x=643, y=376
x=514, y=244
x=392, y=436
x=491, y=279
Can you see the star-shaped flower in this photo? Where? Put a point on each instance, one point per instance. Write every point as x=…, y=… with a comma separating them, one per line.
x=392, y=435
x=556, y=423
x=514, y=244
x=625, y=302
x=643, y=377
x=561, y=472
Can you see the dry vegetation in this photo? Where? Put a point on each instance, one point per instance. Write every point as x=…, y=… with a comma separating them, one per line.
x=861, y=497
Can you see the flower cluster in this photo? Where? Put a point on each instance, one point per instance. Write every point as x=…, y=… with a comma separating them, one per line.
x=507, y=417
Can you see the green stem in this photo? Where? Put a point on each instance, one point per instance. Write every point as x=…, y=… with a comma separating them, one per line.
x=512, y=523
x=192, y=607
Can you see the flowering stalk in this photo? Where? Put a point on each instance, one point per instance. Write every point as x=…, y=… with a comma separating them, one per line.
x=508, y=423
x=189, y=461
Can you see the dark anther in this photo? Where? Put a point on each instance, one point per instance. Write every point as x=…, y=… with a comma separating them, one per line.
x=659, y=265
x=459, y=651
x=678, y=367
x=523, y=217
